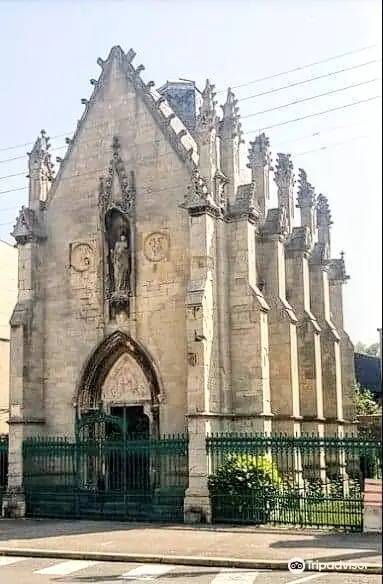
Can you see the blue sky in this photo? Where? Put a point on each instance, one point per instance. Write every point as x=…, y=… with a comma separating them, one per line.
x=49, y=52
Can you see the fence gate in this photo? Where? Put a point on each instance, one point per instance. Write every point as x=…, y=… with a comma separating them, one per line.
x=106, y=474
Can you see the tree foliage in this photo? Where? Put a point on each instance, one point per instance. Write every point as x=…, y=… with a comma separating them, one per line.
x=245, y=485
x=372, y=350
x=364, y=402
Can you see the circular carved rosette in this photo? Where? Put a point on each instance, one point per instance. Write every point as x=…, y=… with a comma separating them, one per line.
x=156, y=247
x=81, y=256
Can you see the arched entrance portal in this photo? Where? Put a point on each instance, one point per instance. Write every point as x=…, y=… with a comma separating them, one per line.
x=121, y=381
x=117, y=416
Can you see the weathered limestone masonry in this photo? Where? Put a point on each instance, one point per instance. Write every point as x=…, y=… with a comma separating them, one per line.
x=298, y=250
x=154, y=285
x=283, y=342
x=337, y=277
x=330, y=339
x=249, y=343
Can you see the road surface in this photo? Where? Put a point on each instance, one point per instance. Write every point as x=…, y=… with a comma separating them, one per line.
x=18, y=570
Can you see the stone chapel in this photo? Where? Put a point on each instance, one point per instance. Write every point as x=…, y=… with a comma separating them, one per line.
x=153, y=284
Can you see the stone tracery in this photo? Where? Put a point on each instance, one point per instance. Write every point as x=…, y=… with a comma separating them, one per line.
x=118, y=353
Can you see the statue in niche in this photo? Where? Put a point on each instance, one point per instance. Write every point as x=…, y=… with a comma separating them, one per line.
x=283, y=223
x=119, y=253
x=121, y=265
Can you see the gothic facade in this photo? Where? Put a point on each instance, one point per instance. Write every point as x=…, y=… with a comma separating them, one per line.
x=151, y=279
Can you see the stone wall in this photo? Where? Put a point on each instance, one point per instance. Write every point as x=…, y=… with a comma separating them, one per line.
x=8, y=297
x=75, y=319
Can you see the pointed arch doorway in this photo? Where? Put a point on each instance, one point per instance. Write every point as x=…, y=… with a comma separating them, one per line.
x=117, y=407
x=120, y=382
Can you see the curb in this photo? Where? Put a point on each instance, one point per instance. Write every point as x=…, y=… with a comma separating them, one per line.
x=212, y=562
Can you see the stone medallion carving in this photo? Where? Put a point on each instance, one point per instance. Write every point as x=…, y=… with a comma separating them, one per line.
x=126, y=383
x=80, y=256
x=156, y=246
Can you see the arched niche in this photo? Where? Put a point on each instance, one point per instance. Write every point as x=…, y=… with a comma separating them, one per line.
x=120, y=356
x=118, y=261
x=116, y=224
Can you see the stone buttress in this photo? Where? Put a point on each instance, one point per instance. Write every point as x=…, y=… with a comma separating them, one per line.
x=283, y=343
x=27, y=404
x=320, y=300
x=337, y=278
x=298, y=248
x=248, y=309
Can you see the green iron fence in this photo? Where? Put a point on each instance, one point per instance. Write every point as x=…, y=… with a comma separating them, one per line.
x=3, y=466
x=137, y=479
x=305, y=481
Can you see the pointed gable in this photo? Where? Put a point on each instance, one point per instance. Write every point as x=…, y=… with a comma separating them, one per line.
x=27, y=226
x=164, y=116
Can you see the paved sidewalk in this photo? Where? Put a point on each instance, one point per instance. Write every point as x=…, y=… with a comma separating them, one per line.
x=241, y=543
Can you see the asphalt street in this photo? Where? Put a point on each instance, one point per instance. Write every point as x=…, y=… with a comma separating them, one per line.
x=18, y=570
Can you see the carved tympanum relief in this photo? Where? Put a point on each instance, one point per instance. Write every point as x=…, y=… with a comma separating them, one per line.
x=126, y=383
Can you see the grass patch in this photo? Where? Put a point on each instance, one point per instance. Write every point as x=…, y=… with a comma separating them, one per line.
x=339, y=514
x=335, y=513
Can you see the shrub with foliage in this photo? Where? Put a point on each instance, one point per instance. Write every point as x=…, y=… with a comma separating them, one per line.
x=245, y=486
x=364, y=402
x=314, y=489
x=337, y=487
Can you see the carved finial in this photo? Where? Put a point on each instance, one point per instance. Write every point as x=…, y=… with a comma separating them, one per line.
x=259, y=161
x=306, y=203
x=337, y=270
x=130, y=55
x=84, y=101
x=231, y=102
x=27, y=227
x=140, y=69
x=259, y=153
x=100, y=62
x=149, y=85
x=197, y=193
x=39, y=157
x=323, y=212
x=207, y=114
x=284, y=175
x=93, y=81
x=230, y=119
x=306, y=192
x=323, y=215
x=284, y=179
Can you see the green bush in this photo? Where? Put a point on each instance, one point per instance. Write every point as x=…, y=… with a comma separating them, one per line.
x=314, y=489
x=245, y=487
